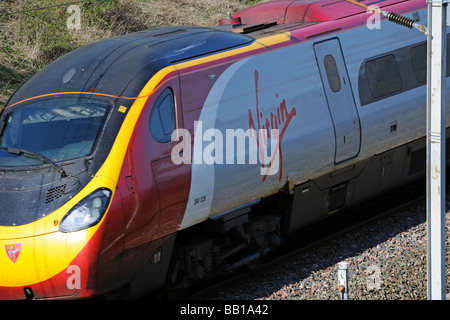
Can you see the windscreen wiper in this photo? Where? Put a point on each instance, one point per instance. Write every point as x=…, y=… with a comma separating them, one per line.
x=36, y=155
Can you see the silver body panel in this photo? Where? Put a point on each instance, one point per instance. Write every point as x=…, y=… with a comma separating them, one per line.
x=312, y=145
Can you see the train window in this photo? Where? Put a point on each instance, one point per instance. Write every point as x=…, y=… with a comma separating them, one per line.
x=383, y=75
x=334, y=79
x=419, y=62
x=162, y=119
x=61, y=129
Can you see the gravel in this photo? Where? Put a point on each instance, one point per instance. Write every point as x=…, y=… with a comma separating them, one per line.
x=387, y=260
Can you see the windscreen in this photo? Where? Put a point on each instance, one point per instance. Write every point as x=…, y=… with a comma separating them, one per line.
x=60, y=129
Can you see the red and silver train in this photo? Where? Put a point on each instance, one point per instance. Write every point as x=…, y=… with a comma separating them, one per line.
x=167, y=156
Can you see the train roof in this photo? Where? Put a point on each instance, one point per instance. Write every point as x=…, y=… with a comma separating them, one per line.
x=122, y=65
x=277, y=16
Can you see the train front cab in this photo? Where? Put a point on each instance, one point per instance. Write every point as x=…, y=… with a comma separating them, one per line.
x=53, y=212
x=135, y=234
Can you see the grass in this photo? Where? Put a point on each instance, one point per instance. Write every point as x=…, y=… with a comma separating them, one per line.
x=35, y=33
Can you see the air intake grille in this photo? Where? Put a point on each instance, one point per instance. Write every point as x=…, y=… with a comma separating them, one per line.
x=55, y=193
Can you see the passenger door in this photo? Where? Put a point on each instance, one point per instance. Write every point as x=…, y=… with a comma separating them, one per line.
x=172, y=180
x=340, y=99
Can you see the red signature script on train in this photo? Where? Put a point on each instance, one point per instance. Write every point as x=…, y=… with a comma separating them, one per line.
x=279, y=119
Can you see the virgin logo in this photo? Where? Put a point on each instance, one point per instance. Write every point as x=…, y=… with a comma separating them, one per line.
x=236, y=146
x=274, y=126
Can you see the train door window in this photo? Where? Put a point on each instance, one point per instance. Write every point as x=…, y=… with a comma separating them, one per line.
x=334, y=79
x=383, y=75
x=419, y=61
x=162, y=118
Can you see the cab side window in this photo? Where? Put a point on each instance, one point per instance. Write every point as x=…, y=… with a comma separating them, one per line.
x=162, y=118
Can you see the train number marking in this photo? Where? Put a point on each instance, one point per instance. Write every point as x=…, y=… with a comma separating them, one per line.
x=200, y=200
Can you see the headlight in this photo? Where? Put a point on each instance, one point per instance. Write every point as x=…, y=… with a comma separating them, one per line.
x=86, y=213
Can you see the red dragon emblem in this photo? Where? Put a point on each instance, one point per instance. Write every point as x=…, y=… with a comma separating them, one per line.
x=13, y=251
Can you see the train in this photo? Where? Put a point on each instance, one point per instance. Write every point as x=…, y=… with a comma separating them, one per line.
x=166, y=157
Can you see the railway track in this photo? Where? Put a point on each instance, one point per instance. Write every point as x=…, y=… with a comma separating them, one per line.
x=319, y=234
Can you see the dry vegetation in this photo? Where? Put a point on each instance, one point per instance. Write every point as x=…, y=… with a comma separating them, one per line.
x=34, y=33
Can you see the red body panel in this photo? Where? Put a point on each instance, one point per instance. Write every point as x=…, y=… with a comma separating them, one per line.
x=145, y=205
x=273, y=11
